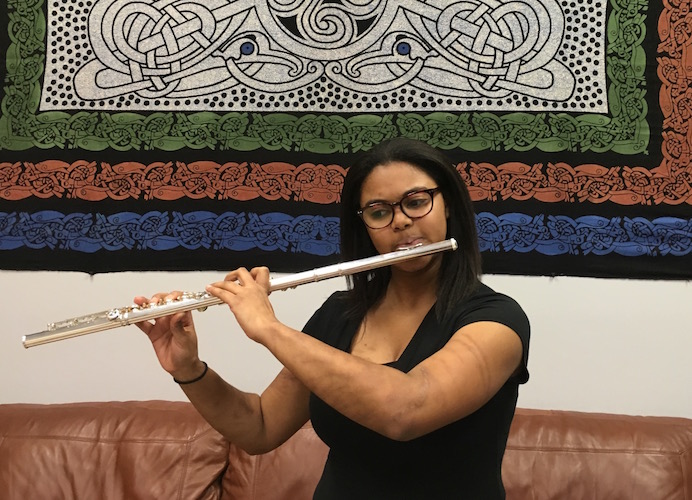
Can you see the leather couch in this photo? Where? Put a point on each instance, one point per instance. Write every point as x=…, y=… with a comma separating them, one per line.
x=164, y=450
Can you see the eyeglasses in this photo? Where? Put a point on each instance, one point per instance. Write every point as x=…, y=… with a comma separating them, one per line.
x=414, y=205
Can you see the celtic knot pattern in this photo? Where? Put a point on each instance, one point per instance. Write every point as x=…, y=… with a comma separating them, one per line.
x=321, y=184
x=589, y=183
x=592, y=234
x=506, y=47
x=152, y=45
x=93, y=128
x=281, y=78
x=315, y=235
x=334, y=28
x=675, y=98
x=89, y=181
x=161, y=231
x=306, y=54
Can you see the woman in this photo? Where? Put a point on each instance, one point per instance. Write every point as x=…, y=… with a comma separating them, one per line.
x=410, y=377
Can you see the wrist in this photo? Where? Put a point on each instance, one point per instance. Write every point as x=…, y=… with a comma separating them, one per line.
x=191, y=374
x=275, y=335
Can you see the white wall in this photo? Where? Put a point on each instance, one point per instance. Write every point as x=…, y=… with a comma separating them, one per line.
x=597, y=345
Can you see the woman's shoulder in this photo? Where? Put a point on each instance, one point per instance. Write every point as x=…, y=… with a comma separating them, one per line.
x=332, y=309
x=486, y=304
x=336, y=300
x=484, y=293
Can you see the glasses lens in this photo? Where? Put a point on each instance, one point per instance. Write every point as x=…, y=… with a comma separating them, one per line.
x=378, y=215
x=417, y=204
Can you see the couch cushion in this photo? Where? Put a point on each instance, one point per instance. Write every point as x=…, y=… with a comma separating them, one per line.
x=572, y=455
x=115, y=450
x=290, y=472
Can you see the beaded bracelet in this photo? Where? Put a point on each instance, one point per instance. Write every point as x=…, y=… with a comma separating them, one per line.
x=185, y=382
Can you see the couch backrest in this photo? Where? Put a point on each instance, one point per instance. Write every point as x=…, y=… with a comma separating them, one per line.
x=117, y=450
x=551, y=455
x=160, y=449
x=572, y=455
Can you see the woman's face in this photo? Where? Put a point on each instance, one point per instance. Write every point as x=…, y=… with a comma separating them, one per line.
x=390, y=183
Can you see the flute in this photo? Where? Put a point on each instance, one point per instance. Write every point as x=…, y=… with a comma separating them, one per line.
x=189, y=301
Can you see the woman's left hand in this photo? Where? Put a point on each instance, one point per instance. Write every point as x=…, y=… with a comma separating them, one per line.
x=247, y=295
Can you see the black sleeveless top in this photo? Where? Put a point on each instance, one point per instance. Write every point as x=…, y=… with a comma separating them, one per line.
x=460, y=460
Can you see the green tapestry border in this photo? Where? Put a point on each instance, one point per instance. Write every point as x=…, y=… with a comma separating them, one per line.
x=625, y=130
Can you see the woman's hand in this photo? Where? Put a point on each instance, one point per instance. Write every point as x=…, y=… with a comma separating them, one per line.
x=247, y=295
x=174, y=339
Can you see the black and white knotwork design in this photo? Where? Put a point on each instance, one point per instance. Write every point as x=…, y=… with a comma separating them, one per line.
x=325, y=55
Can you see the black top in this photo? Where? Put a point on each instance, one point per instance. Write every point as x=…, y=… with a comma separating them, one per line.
x=460, y=460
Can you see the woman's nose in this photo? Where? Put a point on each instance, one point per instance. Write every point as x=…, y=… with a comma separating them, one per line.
x=400, y=219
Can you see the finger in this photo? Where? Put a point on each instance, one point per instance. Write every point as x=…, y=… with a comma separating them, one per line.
x=174, y=295
x=261, y=276
x=140, y=300
x=231, y=276
x=178, y=322
x=163, y=297
x=145, y=326
x=244, y=277
x=227, y=291
x=154, y=299
x=259, y=272
x=241, y=275
x=229, y=286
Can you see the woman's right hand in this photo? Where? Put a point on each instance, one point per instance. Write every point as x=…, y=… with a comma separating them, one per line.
x=174, y=339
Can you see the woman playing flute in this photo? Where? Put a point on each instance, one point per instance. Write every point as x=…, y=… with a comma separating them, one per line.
x=410, y=376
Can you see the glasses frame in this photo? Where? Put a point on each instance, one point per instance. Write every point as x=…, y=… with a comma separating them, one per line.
x=431, y=192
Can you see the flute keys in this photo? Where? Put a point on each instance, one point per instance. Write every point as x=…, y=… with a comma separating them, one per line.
x=114, y=314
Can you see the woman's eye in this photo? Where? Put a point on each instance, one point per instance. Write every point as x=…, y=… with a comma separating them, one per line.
x=378, y=213
x=416, y=201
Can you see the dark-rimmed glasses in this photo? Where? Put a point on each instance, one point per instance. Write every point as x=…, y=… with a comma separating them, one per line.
x=414, y=205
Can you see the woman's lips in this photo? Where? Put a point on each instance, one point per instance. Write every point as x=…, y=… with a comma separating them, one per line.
x=409, y=244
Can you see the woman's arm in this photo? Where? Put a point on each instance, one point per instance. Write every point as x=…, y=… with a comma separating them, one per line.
x=454, y=382
x=451, y=384
x=255, y=423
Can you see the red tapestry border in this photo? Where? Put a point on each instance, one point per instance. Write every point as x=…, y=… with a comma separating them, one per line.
x=321, y=184
x=96, y=181
x=587, y=183
x=673, y=69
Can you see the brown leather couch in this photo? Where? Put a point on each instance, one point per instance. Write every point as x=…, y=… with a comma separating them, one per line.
x=164, y=450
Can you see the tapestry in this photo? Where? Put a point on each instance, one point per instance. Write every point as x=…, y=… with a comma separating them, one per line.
x=207, y=135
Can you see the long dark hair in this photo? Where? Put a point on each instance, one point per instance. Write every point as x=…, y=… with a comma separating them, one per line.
x=460, y=270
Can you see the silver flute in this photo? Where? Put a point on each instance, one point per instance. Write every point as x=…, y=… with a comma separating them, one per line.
x=190, y=301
